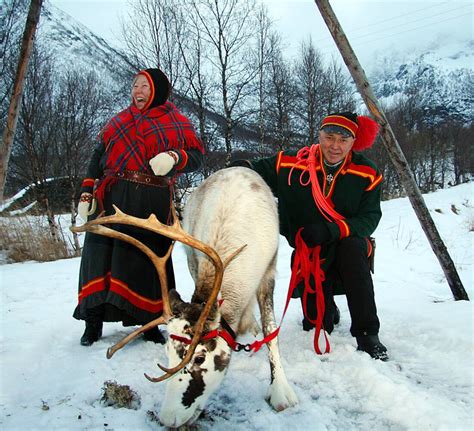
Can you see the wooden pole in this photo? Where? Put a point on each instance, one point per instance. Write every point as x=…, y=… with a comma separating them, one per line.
x=393, y=148
x=13, y=109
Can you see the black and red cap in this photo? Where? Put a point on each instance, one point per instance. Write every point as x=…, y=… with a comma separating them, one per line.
x=349, y=124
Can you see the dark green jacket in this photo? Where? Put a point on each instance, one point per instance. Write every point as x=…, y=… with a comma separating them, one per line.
x=354, y=193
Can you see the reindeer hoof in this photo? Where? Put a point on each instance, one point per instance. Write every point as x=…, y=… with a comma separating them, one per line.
x=280, y=397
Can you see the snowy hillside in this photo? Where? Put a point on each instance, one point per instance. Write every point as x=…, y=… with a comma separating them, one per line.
x=442, y=77
x=49, y=382
x=71, y=39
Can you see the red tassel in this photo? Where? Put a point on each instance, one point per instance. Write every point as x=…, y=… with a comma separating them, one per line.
x=366, y=133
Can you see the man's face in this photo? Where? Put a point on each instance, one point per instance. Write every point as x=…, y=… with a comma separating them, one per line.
x=335, y=146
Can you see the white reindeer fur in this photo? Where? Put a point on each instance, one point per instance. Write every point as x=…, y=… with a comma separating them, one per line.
x=231, y=208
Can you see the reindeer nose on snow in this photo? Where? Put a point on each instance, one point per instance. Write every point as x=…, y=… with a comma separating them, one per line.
x=175, y=423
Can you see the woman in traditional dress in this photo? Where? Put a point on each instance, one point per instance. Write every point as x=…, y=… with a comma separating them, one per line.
x=134, y=166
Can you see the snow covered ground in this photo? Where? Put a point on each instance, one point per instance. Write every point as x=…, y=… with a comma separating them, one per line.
x=48, y=381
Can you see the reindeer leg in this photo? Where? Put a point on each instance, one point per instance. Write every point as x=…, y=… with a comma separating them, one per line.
x=280, y=394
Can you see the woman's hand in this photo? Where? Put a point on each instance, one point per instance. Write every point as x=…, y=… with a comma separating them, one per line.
x=162, y=163
x=84, y=206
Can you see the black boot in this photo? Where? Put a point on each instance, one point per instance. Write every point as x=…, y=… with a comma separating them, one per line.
x=307, y=325
x=92, y=333
x=372, y=345
x=331, y=318
x=337, y=315
x=155, y=335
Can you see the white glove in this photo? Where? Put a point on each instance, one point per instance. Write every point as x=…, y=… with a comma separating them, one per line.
x=83, y=208
x=162, y=163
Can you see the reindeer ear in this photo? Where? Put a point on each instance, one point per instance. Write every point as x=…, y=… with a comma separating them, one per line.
x=175, y=300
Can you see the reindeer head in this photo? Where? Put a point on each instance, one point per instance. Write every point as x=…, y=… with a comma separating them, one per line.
x=188, y=390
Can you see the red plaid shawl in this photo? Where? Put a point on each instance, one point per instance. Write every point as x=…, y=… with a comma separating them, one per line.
x=132, y=138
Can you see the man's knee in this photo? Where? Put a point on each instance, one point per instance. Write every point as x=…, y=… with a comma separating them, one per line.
x=352, y=245
x=352, y=256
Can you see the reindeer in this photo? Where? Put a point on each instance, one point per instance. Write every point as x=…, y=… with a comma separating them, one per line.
x=232, y=214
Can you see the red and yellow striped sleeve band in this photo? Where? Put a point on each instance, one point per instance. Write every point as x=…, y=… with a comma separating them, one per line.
x=284, y=161
x=375, y=183
x=183, y=156
x=278, y=162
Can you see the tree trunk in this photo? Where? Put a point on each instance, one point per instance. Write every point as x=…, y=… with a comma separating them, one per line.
x=75, y=237
x=394, y=150
x=26, y=47
x=53, y=226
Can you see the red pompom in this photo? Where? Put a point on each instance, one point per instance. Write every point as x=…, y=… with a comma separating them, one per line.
x=366, y=133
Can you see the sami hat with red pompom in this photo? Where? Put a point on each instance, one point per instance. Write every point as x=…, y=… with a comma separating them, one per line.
x=348, y=124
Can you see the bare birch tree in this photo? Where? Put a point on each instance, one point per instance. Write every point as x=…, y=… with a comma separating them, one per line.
x=152, y=36
x=80, y=109
x=12, y=116
x=10, y=40
x=32, y=156
x=311, y=77
x=263, y=56
x=281, y=100
x=338, y=91
x=228, y=26
x=196, y=81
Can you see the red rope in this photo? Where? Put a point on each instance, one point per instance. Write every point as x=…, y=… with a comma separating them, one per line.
x=307, y=263
x=307, y=156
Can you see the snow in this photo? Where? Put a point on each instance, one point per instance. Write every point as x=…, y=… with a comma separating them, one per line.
x=48, y=381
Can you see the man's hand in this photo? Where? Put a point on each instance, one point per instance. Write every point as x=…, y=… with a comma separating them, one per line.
x=315, y=234
x=162, y=163
x=83, y=208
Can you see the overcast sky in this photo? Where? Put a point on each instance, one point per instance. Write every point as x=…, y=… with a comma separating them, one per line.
x=374, y=27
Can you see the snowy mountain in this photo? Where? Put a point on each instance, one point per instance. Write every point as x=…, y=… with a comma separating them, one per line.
x=74, y=45
x=441, y=78
x=71, y=40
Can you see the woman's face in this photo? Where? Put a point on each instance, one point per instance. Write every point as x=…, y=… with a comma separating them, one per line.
x=141, y=91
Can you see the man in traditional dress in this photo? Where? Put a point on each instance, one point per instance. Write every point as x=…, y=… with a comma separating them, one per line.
x=329, y=205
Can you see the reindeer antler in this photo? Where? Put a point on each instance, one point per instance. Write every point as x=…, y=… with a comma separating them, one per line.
x=199, y=326
x=176, y=233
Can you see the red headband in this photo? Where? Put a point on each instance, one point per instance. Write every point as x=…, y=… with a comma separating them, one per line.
x=339, y=120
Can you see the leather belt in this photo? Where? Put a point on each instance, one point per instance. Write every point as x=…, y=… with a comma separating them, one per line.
x=140, y=178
